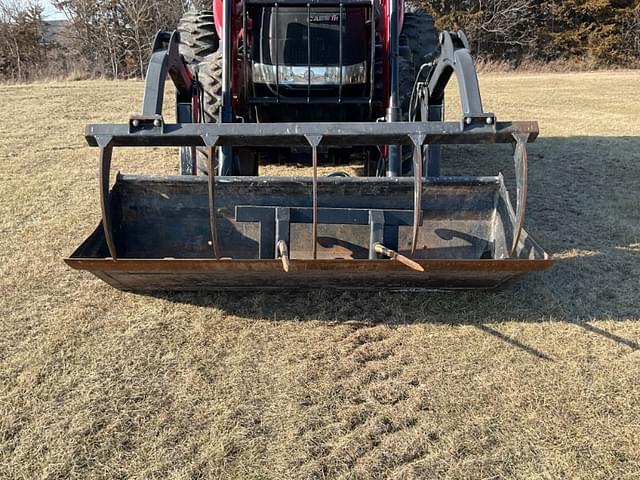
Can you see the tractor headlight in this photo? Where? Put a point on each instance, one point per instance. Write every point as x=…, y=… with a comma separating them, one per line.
x=354, y=74
x=314, y=75
x=264, y=73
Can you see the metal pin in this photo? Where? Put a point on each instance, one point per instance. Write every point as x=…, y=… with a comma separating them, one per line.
x=380, y=249
x=284, y=255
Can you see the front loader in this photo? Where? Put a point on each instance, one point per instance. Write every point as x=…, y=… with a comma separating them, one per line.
x=325, y=82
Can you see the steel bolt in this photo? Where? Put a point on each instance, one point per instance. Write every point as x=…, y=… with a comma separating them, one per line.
x=136, y=123
x=468, y=120
x=489, y=120
x=157, y=123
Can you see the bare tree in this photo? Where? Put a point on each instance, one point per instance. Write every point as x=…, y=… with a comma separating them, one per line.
x=144, y=19
x=631, y=33
x=21, y=46
x=136, y=33
x=496, y=28
x=116, y=35
x=505, y=22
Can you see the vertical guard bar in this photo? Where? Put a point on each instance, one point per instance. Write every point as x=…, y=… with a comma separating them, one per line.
x=393, y=111
x=309, y=53
x=314, y=141
x=433, y=153
x=245, y=51
x=340, y=53
x=381, y=232
x=372, y=65
x=314, y=157
x=195, y=118
x=376, y=231
x=211, y=181
x=227, y=60
x=283, y=226
x=283, y=219
x=226, y=152
x=277, y=23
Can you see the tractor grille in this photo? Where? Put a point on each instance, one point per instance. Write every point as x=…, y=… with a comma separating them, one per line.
x=318, y=36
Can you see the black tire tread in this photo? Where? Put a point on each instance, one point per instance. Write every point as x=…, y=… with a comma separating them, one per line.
x=198, y=37
x=210, y=76
x=421, y=35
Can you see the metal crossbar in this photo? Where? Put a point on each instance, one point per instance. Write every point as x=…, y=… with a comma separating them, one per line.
x=275, y=223
x=148, y=134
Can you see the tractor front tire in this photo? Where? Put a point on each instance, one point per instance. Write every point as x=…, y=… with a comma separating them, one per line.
x=198, y=41
x=209, y=72
x=210, y=77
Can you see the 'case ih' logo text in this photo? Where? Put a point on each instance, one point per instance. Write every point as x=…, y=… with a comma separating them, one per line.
x=335, y=18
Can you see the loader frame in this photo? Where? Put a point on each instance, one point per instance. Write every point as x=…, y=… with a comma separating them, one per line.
x=499, y=249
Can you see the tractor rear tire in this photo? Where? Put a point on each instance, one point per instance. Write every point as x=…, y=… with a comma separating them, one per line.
x=198, y=37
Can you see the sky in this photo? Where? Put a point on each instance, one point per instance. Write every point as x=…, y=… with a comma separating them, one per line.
x=50, y=12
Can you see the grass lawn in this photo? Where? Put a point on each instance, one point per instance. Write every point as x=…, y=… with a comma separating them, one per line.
x=537, y=380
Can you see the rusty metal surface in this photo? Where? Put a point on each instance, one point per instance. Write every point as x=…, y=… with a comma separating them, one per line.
x=211, y=274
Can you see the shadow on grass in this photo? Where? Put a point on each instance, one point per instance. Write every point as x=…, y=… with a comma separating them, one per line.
x=583, y=208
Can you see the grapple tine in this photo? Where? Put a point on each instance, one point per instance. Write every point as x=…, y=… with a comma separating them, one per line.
x=521, y=161
x=106, y=152
x=417, y=141
x=213, y=226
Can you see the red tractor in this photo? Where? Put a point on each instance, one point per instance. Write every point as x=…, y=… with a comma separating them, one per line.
x=261, y=81
x=309, y=62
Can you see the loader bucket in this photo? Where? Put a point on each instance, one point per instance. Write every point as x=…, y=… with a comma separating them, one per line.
x=214, y=233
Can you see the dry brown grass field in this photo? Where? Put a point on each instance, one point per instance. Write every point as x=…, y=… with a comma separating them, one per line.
x=540, y=379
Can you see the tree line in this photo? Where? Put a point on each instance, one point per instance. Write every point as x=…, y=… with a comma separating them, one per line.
x=593, y=33
x=112, y=38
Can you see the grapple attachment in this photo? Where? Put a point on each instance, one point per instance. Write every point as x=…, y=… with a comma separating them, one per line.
x=198, y=233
